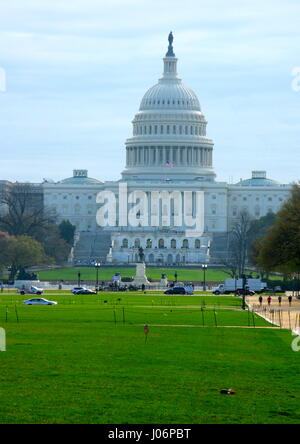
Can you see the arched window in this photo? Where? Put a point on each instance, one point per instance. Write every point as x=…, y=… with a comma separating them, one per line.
x=151, y=258
x=197, y=244
x=161, y=243
x=185, y=244
x=137, y=243
x=173, y=243
x=149, y=243
x=170, y=259
x=125, y=243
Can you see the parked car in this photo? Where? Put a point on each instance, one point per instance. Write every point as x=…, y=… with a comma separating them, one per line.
x=32, y=290
x=39, y=301
x=176, y=290
x=82, y=290
x=247, y=293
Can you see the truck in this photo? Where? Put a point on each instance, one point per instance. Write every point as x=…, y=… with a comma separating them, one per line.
x=236, y=286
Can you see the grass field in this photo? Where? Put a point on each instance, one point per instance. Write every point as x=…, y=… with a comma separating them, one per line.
x=106, y=273
x=87, y=361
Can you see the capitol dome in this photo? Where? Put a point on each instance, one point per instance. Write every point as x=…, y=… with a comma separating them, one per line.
x=170, y=94
x=169, y=132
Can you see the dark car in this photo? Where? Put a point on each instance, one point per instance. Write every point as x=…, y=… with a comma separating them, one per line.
x=176, y=290
x=247, y=293
x=83, y=290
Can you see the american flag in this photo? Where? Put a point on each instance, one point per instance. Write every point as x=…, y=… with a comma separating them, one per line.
x=169, y=165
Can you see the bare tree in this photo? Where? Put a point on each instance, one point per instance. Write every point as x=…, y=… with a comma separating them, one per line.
x=24, y=210
x=238, y=244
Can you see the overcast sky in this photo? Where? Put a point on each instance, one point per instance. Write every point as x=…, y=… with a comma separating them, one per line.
x=76, y=71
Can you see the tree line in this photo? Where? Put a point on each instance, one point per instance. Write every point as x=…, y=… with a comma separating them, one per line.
x=269, y=244
x=30, y=236
x=29, y=232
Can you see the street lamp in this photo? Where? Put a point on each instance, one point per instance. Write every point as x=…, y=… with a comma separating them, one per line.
x=97, y=266
x=79, y=279
x=204, y=268
x=244, y=291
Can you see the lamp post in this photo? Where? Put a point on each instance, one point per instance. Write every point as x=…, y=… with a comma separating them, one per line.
x=97, y=266
x=204, y=268
x=244, y=291
x=79, y=279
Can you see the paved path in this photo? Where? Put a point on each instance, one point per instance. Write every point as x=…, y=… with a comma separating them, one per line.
x=282, y=315
x=210, y=326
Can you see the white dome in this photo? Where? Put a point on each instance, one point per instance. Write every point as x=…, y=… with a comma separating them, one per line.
x=170, y=94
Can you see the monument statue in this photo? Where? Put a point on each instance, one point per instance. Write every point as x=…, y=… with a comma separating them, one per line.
x=141, y=255
x=170, y=52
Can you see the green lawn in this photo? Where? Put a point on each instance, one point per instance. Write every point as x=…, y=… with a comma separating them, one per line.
x=105, y=273
x=86, y=361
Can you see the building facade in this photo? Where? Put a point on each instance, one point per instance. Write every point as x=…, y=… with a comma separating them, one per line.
x=170, y=154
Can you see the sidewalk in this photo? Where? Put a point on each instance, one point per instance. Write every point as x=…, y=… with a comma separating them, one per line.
x=283, y=315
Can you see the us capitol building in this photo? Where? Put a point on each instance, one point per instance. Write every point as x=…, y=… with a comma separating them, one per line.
x=169, y=150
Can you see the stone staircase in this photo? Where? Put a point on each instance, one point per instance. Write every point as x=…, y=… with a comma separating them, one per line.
x=218, y=248
x=91, y=247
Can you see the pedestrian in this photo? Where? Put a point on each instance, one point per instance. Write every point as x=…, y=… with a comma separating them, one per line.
x=279, y=300
x=261, y=299
x=269, y=300
x=146, y=331
x=290, y=300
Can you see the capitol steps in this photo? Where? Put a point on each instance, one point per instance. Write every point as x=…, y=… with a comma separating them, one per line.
x=92, y=247
x=219, y=248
